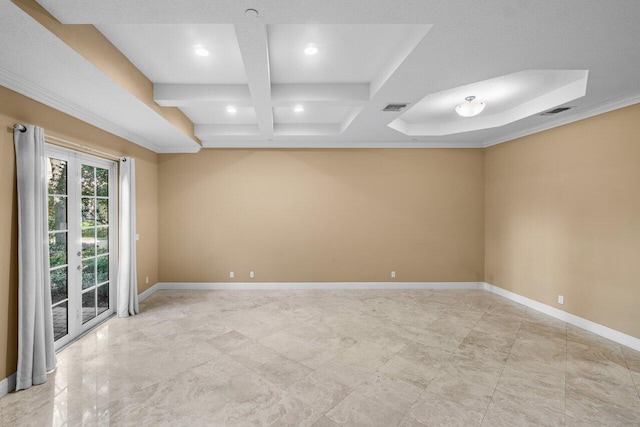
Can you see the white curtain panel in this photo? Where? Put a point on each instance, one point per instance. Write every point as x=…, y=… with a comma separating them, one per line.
x=36, y=353
x=127, y=273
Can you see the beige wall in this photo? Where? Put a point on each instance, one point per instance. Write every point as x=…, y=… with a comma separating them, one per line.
x=16, y=108
x=563, y=217
x=322, y=215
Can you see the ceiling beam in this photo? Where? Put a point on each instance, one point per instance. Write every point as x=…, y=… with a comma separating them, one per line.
x=252, y=40
x=341, y=92
x=208, y=131
x=188, y=95
x=307, y=129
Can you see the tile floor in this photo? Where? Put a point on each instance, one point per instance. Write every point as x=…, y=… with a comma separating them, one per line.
x=328, y=358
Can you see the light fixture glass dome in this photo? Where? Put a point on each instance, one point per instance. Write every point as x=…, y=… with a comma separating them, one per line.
x=201, y=50
x=311, y=49
x=471, y=107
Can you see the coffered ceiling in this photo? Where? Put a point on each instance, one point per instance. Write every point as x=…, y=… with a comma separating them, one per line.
x=257, y=86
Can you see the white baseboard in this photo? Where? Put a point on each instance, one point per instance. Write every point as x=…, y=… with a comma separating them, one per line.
x=146, y=294
x=318, y=285
x=8, y=384
x=587, y=325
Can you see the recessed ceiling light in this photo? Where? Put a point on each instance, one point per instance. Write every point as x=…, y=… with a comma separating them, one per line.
x=311, y=49
x=471, y=107
x=201, y=50
x=231, y=109
x=298, y=108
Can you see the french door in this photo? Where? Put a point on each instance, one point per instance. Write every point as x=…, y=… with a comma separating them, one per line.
x=82, y=215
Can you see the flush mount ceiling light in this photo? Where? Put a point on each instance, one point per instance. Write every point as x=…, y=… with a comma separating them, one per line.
x=231, y=109
x=298, y=108
x=470, y=108
x=200, y=50
x=311, y=49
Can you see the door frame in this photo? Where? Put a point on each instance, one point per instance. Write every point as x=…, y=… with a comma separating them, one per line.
x=75, y=327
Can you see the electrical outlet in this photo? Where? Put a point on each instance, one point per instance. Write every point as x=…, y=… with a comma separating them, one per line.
x=231, y=275
x=251, y=274
x=560, y=299
x=146, y=280
x=393, y=274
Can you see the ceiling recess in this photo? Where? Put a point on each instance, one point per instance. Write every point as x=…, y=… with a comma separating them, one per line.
x=395, y=107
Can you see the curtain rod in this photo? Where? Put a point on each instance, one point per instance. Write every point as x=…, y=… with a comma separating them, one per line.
x=22, y=128
x=84, y=147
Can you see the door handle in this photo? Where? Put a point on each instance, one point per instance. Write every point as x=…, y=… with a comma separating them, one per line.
x=79, y=253
x=79, y=268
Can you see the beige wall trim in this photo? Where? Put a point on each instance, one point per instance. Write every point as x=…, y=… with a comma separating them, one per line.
x=8, y=384
x=587, y=325
x=316, y=285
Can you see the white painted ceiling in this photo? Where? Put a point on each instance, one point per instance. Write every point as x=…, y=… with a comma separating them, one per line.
x=346, y=53
x=370, y=53
x=165, y=52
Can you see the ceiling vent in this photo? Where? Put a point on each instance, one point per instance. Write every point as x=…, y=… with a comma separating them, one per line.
x=555, y=111
x=395, y=107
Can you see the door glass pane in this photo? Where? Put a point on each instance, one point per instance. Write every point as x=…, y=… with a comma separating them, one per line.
x=57, y=176
x=59, y=281
x=88, y=305
x=103, y=240
x=88, y=181
x=88, y=212
x=58, y=245
x=88, y=273
x=103, y=269
x=57, y=213
x=57, y=249
x=103, y=212
x=79, y=247
x=88, y=242
x=102, y=182
x=103, y=298
x=60, y=320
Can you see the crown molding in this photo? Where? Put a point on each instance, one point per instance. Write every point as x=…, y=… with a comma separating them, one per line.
x=338, y=144
x=177, y=149
x=581, y=115
x=37, y=93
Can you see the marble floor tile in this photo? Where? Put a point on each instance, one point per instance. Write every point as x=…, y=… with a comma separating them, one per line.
x=282, y=371
x=409, y=421
x=585, y=410
x=319, y=358
x=481, y=371
x=507, y=410
x=491, y=341
x=437, y=410
x=459, y=389
x=252, y=354
x=358, y=410
x=396, y=394
x=347, y=373
x=319, y=390
x=410, y=371
x=325, y=422
x=229, y=341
